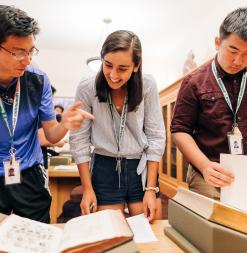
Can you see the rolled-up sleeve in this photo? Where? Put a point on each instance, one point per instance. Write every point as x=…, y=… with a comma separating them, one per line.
x=153, y=122
x=80, y=139
x=46, y=108
x=186, y=108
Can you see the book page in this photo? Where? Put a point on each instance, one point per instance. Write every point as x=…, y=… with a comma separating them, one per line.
x=198, y=203
x=141, y=228
x=102, y=225
x=235, y=194
x=22, y=235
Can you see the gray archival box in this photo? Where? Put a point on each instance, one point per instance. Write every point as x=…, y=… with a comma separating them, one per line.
x=195, y=234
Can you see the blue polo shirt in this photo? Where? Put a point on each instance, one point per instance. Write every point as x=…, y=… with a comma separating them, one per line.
x=35, y=104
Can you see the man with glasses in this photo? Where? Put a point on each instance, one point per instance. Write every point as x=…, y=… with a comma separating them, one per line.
x=26, y=98
x=19, y=54
x=210, y=112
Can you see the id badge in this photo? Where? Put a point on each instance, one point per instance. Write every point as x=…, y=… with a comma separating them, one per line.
x=235, y=144
x=12, y=173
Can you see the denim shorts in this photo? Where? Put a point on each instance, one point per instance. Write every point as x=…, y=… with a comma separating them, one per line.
x=105, y=181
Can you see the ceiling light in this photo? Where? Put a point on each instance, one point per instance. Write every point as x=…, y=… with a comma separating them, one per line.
x=94, y=63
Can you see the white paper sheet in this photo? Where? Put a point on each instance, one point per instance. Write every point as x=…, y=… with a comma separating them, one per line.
x=141, y=229
x=65, y=167
x=235, y=194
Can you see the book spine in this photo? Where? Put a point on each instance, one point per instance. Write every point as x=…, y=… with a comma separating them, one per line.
x=229, y=217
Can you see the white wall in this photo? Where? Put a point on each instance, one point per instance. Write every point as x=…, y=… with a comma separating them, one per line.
x=168, y=29
x=65, y=69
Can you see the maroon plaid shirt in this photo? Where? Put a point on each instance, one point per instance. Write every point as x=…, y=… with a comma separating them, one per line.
x=202, y=112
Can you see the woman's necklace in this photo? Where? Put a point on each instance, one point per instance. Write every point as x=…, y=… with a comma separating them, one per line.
x=118, y=100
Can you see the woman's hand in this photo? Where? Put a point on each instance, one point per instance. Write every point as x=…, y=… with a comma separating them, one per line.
x=88, y=202
x=149, y=205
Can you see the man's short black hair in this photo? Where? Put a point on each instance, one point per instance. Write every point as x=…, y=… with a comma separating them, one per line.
x=235, y=22
x=16, y=22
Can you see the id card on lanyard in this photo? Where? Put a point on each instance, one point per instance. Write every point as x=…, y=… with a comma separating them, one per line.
x=11, y=165
x=234, y=137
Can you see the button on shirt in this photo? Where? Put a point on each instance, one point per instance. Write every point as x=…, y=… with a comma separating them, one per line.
x=202, y=112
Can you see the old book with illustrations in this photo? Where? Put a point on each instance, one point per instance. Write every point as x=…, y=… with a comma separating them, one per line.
x=91, y=233
x=212, y=210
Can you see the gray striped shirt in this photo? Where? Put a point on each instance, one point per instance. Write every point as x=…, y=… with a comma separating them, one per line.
x=144, y=133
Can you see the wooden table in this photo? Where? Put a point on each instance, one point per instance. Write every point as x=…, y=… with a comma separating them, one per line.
x=164, y=245
x=61, y=182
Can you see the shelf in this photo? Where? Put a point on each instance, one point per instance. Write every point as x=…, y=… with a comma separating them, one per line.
x=173, y=168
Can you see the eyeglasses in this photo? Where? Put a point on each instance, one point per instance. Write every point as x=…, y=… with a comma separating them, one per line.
x=20, y=54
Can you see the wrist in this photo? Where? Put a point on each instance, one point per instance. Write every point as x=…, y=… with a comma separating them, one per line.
x=154, y=189
x=88, y=188
x=87, y=185
x=204, y=165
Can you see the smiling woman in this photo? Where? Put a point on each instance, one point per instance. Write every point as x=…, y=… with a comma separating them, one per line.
x=118, y=68
x=126, y=132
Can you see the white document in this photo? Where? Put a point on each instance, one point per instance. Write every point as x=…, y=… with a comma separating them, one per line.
x=141, y=229
x=66, y=167
x=235, y=194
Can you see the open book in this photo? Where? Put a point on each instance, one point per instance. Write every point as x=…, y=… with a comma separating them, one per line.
x=212, y=210
x=91, y=233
